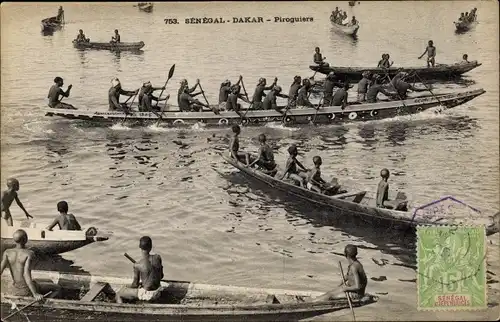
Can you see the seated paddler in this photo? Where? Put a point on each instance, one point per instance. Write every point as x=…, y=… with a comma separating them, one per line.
x=356, y=281
x=403, y=87
x=148, y=272
x=294, y=170
x=187, y=102
x=382, y=198
x=318, y=57
x=375, y=89
x=20, y=262
x=114, y=96
x=81, y=37
x=146, y=97
x=270, y=99
x=56, y=91
x=265, y=157
x=316, y=183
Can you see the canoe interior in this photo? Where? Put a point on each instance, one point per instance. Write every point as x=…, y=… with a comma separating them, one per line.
x=182, y=299
x=362, y=204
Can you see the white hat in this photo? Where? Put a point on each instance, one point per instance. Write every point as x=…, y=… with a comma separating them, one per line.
x=115, y=81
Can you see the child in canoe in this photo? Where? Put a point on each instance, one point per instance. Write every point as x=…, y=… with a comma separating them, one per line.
x=299, y=176
x=265, y=158
x=234, y=146
x=316, y=183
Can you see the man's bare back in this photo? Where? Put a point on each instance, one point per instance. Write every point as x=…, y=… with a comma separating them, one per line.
x=150, y=272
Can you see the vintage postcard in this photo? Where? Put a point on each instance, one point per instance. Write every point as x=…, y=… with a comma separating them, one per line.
x=250, y=161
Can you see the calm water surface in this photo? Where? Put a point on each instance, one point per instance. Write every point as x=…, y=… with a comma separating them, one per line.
x=208, y=222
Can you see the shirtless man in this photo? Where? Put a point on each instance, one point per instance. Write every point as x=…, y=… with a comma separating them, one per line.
x=81, y=37
x=116, y=37
x=114, y=96
x=146, y=97
x=265, y=158
x=55, y=91
x=148, y=273
x=259, y=92
x=294, y=91
x=375, y=88
x=8, y=196
x=184, y=84
x=294, y=169
x=356, y=280
x=234, y=146
x=270, y=99
x=318, y=58
x=19, y=260
x=331, y=81
x=363, y=86
x=431, y=54
x=314, y=180
x=65, y=221
x=187, y=102
x=303, y=94
x=340, y=96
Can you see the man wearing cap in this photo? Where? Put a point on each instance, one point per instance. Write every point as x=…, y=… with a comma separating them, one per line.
x=187, y=102
x=375, y=88
x=146, y=97
x=184, y=83
x=330, y=82
x=294, y=91
x=302, y=96
x=402, y=87
x=270, y=99
x=363, y=86
x=259, y=92
x=225, y=90
x=55, y=91
x=20, y=261
x=114, y=96
x=356, y=280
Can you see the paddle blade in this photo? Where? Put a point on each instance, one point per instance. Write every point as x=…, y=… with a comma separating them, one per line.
x=171, y=71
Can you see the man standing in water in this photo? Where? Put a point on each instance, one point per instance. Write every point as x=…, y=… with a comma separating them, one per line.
x=356, y=280
x=431, y=54
x=8, y=197
x=19, y=260
x=148, y=271
x=55, y=91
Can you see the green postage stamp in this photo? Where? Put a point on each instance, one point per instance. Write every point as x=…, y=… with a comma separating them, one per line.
x=451, y=268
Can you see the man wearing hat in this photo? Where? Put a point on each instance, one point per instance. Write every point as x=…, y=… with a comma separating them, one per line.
x=259, y=92
x=146, y=97
x=114, y=96
x=294, y=91
x=270, y=99
x=375, y=88
x=330, y=82
x=184, y=83
x=363, y=86
x=225, y=90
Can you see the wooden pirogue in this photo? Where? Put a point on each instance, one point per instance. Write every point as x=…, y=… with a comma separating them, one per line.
x=439, y=72
x=146, y=7
x=462, y=26
x=325, y=115
x=180, y=301
x=357, y=203
x=51, y=24
x=49, y=242
x=350, y=30
x=122, y=46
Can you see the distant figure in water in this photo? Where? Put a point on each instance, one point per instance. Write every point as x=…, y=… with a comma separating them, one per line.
x=148, y=272
x=356, y=280
x=318, y=57
x=60, y=14
x=55, y=91
x=354, y=22
x=20, y=261
x=81, y=37
x=8, y=196
x=431, y=54
x=65, y=221
x=116, y=37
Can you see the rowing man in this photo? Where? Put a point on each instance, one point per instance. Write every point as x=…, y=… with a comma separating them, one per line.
x=148, y=273
x=270, y=99
x=294, y=91
x=55, y=91
x=184, y=84
x=259, y=92
x=356, y=280
x=114, y=96
x=146, y=97
x=20, y=261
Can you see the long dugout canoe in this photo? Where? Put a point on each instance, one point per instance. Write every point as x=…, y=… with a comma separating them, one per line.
x=439, y=72
x=323, y=115
x=179, y=301
x=122, y=46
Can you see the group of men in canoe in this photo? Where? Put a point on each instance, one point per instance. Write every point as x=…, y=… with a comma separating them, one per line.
x=339, y=16
x=297, y=173
x=468, y=17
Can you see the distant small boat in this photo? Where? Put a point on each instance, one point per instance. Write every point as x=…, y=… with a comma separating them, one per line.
x=122, y=46
x=350, y=30
x=50, y=242
x=463, y=26
x=146, y=7
x=51, y=24
x=352, y=3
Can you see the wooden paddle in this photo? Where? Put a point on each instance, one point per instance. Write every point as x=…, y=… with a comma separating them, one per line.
x=203, y=93
x=244, y=89
x=170, y=74
x=126, y=114
x=428, y=88
x=317, y=109
x=347, y=293
x=24, y=307
x=166, y=281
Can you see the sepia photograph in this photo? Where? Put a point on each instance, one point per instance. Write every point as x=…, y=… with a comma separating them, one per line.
x=250, y=161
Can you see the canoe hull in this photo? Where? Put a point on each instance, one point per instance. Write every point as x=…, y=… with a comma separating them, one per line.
x=50, y=24
x=465, y=26
x=148, y=8
x=325, y=115
x=109, y=46
x=364, y=210
x=347, y=30
x=440, y=72
x=184, y=301
x=47, y=242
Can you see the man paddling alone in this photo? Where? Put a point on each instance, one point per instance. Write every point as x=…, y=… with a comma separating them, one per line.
x=55, y=91
x=20, y=260
x=148, y=273
x=356, y=280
